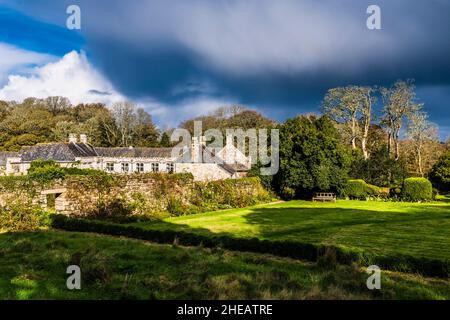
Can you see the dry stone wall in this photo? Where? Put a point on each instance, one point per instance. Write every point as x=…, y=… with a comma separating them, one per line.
x=137, y=193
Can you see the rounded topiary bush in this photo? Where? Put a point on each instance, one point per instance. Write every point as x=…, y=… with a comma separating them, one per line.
x=417, y=189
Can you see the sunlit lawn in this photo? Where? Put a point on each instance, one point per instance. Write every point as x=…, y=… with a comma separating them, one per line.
x=417, y=229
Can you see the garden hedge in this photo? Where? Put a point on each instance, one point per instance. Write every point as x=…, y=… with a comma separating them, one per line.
x=292, y=249
x=360, y=190
x=417, y=189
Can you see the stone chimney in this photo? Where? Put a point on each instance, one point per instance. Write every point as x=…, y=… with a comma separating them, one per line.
x=83, y=138
x=72, y=138
x=195, y=149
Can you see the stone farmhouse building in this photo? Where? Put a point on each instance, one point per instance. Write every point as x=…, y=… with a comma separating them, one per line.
x=228, y=163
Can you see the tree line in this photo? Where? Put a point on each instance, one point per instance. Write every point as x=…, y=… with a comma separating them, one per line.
x=53, y=119
x=379, y=134
x=352, y=108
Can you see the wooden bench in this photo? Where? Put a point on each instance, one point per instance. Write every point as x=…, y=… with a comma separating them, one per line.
x=324, y=196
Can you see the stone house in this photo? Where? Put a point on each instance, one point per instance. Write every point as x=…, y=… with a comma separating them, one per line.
x=228, y=163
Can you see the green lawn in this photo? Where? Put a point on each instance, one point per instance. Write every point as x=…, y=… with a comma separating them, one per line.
x=385, y=228
x=33, y=266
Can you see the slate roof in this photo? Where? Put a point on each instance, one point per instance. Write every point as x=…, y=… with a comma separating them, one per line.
x=135, y=152
x=4, y=155
x=62, y=152
x=69, y=152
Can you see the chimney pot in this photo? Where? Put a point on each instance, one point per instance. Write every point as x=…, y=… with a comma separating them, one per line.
x=83, y=138
x=72, y=138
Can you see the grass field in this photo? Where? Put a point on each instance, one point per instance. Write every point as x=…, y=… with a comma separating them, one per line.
x=33, y=266
x=384, y=228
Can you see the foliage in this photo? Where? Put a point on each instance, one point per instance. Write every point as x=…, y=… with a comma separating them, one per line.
x=230, y=117
x=360, y=190
x=417, y=189
x=52, y=119
x=18, y=216
x=266, y=180
x=225, y=194
x=45, y=171
x=440, y=173
x=312, y=157
x=379, y=169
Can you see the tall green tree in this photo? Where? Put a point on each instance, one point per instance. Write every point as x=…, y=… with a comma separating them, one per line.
x=440, y=173
x=312, y=157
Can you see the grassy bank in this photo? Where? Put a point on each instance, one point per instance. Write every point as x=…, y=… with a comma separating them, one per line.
x=33, y=266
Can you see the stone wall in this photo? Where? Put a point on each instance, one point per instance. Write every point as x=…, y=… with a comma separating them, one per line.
x=138, y=193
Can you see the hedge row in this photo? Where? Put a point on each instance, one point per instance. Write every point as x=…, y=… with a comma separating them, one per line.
x=296, y=250
x=360, y=190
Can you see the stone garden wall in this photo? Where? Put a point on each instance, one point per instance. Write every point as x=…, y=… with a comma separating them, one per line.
x=144, y=194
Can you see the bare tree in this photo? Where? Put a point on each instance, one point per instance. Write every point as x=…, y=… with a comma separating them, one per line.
x=351, y=107
x=367, y=101
x=420, y=131
x=125, y=117
x=398, y=104
x=343, y=106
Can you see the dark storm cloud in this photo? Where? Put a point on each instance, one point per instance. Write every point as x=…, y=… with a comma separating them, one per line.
x=264, y=53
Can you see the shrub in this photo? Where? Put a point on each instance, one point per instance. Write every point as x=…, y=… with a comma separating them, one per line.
x=288, y=193
x=417, y=189
x=175, y=206
x=18, y=216
x=118, y=210
x=45, y=171
x=359, y=189
x=440, y=173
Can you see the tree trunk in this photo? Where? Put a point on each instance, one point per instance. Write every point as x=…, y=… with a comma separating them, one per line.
x=419, y=160
x=389, y=146
x=397, y=149
x=364, y=148
x=354, y=132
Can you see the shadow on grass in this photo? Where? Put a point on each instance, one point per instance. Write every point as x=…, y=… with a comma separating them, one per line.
x=302, y=220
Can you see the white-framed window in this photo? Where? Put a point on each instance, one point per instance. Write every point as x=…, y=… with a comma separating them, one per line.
x=139, y=167
x=125, y=167
x=155, y=167
x=110, y=166
x=170, y=167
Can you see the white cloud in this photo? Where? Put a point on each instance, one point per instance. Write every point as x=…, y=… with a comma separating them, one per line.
x=19, y=60
x=72, y=76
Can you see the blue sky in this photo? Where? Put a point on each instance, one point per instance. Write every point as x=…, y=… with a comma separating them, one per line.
x=181, y=58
